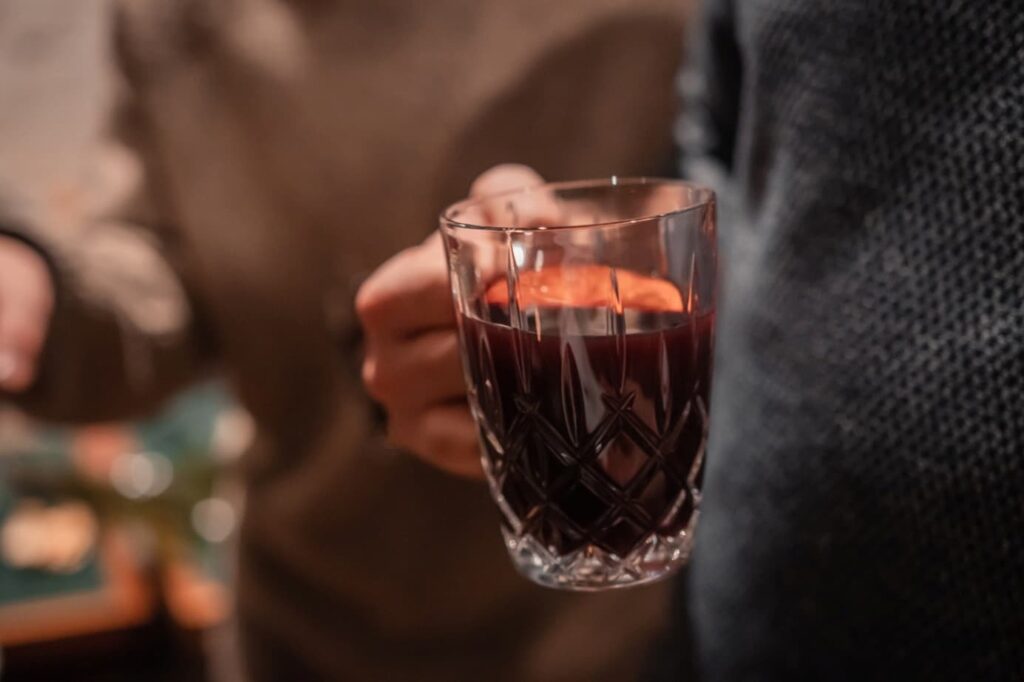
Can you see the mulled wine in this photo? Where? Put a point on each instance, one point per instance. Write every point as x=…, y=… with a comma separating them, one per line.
x=590, y=388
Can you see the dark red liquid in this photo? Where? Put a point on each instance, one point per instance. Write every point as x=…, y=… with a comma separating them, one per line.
x=593, y=437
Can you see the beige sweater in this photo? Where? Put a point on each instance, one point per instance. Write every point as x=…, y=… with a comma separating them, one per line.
x=268, y=153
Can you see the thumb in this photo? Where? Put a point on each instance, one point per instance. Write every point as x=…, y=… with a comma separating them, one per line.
x=511, y=196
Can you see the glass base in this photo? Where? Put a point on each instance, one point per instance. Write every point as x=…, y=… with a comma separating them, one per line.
x=591, y=569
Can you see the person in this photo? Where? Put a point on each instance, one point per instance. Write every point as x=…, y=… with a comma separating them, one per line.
x=263, y=156
x=861, y=515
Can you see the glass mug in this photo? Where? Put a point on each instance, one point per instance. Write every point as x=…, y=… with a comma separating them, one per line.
x=586, y=314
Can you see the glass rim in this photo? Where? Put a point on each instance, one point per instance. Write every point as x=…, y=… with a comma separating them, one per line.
x=706, y=198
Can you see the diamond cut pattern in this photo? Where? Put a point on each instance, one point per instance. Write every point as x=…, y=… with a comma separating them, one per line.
x=593, y=444
x=560, y=475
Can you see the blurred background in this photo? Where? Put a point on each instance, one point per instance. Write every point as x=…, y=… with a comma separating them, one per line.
x=113, y=539
x=113, y=535
x=118, y=539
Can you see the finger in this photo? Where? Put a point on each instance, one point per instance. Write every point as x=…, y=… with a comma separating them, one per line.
x=408, y=294
x=413, y=374
x=17, y=371
x=504, y=177
x=26, y=302
x=21, y=340
x=503, y=207
x=443, y=436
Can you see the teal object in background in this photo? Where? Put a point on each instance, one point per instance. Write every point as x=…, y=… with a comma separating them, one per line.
x=18, y=585
x=23, y=585
x=186, y=427
x=183, y=433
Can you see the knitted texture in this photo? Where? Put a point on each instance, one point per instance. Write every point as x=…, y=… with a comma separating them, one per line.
x=864, y=505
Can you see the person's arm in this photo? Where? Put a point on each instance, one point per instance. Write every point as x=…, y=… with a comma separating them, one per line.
x=109, y=327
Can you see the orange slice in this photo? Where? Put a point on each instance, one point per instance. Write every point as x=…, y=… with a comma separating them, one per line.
x=589, y=286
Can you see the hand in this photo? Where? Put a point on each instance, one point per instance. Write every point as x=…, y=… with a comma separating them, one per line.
x=26, y=303
x=412, y=364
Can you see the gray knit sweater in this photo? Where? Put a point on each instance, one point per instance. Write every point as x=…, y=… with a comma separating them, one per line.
x=863, y=514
